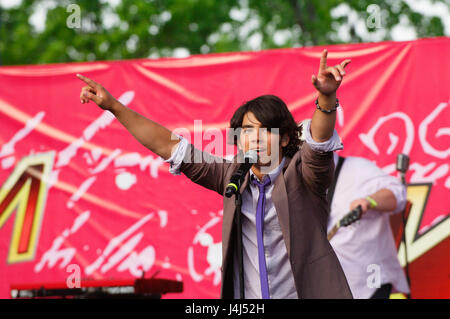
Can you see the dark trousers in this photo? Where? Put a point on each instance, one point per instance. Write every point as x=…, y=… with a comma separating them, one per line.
x=383, y=292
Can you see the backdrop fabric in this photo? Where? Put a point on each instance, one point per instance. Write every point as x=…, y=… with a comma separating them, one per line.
x=79, y=195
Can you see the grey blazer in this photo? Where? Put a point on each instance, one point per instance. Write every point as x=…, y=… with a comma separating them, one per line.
x=299, y=196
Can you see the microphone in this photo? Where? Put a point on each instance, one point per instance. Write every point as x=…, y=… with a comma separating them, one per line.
x=236, y=179
x=402, y=165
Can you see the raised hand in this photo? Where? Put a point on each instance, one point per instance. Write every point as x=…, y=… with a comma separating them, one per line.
x=97, y=93
x=329, y=78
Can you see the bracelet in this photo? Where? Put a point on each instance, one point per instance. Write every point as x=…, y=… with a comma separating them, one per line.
x=372, y=202
x=327, y=111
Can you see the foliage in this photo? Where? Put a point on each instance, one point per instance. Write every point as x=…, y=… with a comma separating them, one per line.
x=160, y=28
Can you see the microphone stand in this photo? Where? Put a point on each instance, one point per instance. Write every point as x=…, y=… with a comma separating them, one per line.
x=237, y=218
x=234, y=188
x=402, y=167
x=402, y=174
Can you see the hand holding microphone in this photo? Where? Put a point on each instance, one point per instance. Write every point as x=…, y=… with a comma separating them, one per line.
x=250, y=158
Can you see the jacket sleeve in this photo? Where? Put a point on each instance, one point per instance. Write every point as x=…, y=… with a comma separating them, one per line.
x=317, y=164
x=200, y=167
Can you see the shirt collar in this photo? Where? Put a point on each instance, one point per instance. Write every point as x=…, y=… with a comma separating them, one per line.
x=273, y=174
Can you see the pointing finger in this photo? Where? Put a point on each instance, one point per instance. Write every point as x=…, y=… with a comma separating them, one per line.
x=323, y=60
x=88, y=81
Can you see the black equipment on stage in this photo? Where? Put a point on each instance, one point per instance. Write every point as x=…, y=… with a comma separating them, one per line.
x=141, y=288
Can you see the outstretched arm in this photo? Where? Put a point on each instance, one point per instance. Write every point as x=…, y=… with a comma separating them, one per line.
x=152, y=135
x=326, y=82
x=202, y=168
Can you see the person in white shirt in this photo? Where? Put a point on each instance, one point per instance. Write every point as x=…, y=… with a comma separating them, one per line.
x=366, y=248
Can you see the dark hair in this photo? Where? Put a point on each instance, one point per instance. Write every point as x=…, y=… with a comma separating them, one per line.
x=272, y=112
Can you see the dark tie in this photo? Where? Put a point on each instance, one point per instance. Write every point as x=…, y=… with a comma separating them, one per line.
x=260, y=209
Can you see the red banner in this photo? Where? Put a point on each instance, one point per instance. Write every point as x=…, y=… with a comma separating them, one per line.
x=77, y=190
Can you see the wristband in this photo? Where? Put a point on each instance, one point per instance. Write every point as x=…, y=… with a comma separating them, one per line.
x=372, y=202
x=324, y=110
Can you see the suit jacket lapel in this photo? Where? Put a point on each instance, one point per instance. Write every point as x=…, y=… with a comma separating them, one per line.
x=245, y=182
x=280, y=201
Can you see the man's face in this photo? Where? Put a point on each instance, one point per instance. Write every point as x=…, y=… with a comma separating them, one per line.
x=265, y=142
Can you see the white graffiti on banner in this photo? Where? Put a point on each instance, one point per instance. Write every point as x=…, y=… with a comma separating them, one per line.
x=423, y=130
x=368, y=139
x=119, y=254
x=67, y=154
x=421, y=173
x=8, y=149
x=134, y=263
x=94, y=158
x=213, y=255
x=55, y=253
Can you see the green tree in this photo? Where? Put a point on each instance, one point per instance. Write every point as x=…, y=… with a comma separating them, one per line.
x=162, y=28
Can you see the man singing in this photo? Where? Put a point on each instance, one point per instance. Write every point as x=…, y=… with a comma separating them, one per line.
x=284, y=210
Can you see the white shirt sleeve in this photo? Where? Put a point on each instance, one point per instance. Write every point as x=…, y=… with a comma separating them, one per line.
x=399, y=192
x=176, y=159
x=379, y=179
x=333, y=144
